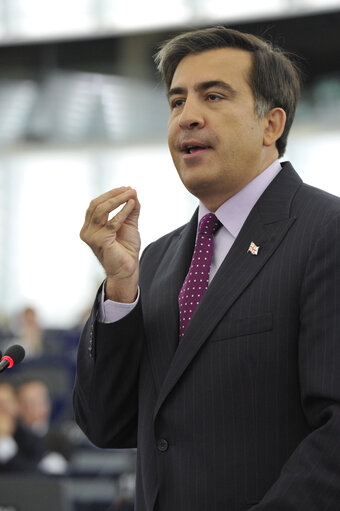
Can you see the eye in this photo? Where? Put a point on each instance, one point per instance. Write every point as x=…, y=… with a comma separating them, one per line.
x=213, y=97
x=176, y=103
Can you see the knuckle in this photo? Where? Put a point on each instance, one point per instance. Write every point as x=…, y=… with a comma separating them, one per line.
x=112, y=225
x=99, y=212
x=93, y=204
x=96, y=219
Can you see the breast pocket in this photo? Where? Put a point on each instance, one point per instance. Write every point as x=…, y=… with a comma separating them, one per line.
x=228, y=329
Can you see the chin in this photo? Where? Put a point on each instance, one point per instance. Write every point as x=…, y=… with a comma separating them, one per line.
x=199, y=188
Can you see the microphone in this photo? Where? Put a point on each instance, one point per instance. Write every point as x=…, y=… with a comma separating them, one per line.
x=14, y=355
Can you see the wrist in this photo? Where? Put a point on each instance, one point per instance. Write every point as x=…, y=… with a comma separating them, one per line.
x=121, y=290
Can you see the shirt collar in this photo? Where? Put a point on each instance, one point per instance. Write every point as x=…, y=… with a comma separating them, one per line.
x=233, y=213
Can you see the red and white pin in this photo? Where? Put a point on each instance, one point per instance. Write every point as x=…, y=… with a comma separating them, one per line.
x=253, y=249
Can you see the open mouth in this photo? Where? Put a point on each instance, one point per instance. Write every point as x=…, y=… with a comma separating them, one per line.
x=190, y=151
x=195, y=148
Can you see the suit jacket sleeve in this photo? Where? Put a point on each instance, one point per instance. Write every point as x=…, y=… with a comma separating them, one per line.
x=310, y=479
x=106, y=386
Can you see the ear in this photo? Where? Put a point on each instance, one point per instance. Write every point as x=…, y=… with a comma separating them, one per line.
x=275, y=121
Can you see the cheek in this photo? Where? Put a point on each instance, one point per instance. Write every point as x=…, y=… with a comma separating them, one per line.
x=173, y=153
x=172, y=137
x=246, y=135
x=171, y=132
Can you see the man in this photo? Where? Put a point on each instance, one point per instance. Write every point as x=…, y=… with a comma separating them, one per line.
x=19, y=449
x=231, y=395
x=35, y=414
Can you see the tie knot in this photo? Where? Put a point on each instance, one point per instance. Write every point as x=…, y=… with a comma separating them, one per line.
x=209, y=224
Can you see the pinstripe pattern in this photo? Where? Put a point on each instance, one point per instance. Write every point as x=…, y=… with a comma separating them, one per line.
x=249, y=400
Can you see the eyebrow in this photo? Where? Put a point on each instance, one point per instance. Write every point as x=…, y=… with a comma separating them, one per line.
x=203, y=86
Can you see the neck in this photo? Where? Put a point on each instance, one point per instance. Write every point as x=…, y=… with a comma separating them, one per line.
x=212, y=201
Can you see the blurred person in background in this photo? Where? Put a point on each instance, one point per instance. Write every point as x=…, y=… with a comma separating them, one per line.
x=35, y=413
x=5, y=330
x=28, y=332
x=222, y=367
x=20, y=450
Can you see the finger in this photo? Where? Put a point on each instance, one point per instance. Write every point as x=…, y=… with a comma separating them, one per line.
x=100, y=199
x=94, y=204
x=117, y=221
x=134, y=215
x=100, y=214
x=136, y=209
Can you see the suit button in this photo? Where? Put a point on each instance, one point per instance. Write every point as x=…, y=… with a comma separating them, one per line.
x=162, y=445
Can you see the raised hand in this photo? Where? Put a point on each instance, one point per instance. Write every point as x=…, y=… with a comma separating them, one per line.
x=115, y=242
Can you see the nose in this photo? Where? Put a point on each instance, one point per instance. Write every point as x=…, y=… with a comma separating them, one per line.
x=191, y=115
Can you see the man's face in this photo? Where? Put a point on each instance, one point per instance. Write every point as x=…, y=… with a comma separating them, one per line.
x=34, y=403
x=214, y=135
x=8, y=400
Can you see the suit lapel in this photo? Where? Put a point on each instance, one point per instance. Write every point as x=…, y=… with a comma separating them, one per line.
x=162, y=334
x=266, y=226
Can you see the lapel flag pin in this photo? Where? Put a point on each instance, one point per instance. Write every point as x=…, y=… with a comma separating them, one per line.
x=253, y=249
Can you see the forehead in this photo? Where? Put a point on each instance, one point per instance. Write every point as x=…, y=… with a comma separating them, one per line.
x=34, y=389
x=232, y=65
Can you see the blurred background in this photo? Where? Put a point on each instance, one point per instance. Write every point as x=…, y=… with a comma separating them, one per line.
x=82, y=110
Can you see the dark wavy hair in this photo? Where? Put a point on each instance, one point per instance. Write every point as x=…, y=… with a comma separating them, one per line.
x=274, y=77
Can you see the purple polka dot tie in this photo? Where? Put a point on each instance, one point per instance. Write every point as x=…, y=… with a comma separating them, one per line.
x=197, y=279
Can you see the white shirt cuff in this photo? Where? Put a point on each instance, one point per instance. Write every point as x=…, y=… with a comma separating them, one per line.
x=110, y=311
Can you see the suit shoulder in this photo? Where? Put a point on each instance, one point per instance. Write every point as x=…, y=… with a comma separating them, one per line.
x=319, y=194
x=316, y=203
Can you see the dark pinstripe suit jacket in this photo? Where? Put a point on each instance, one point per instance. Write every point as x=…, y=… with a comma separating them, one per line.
x=245, y=412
